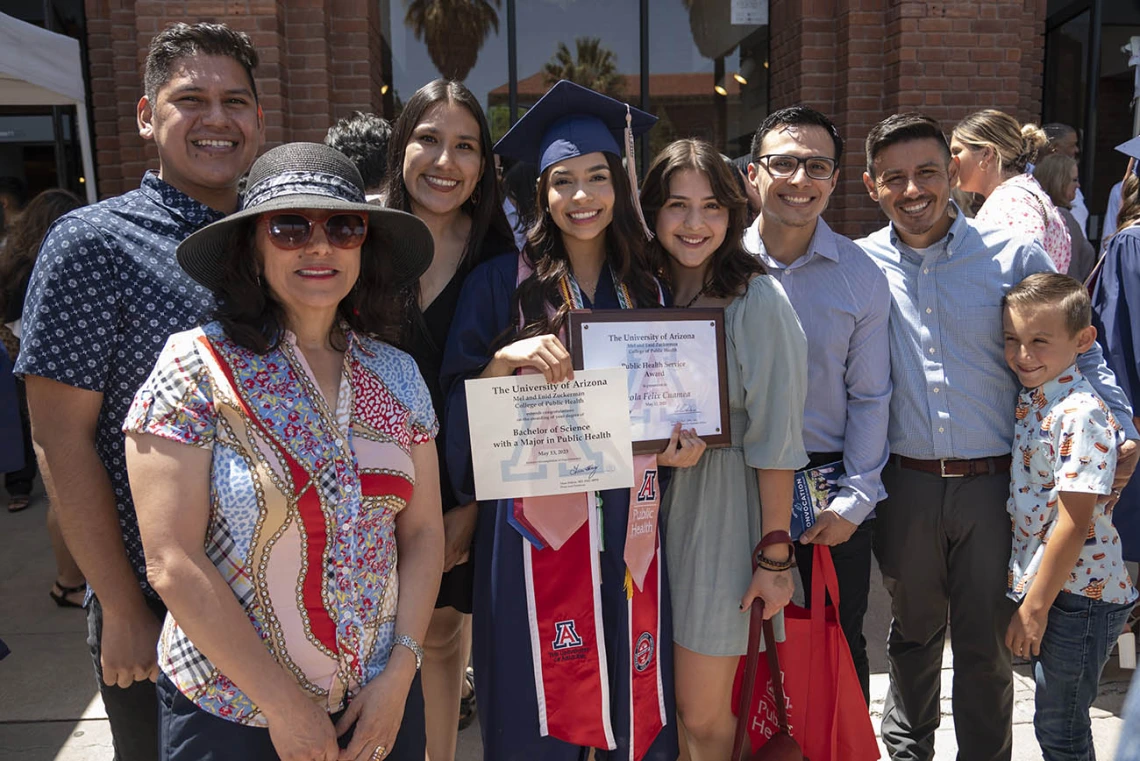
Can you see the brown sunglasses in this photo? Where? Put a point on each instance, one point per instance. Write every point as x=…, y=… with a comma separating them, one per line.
x=291, y=230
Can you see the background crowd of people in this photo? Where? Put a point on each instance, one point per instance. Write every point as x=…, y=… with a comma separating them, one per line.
x=244, y=383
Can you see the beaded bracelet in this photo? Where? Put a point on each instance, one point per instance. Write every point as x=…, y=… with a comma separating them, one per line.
x=775, y=566
x=771, y=539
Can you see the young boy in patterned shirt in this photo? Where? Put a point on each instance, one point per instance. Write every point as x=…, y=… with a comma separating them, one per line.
x=1066, y=568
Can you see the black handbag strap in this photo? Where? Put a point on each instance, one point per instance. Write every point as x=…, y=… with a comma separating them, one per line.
x=757, y=624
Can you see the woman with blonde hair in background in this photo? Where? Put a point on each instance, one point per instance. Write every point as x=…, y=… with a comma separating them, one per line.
x=994, y=153
x=1057, y=174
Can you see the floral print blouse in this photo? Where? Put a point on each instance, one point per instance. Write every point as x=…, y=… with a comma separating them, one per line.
x=303, y=502
x=1022, y=205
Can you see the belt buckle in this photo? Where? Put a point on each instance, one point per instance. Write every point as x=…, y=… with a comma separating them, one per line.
x=942, y=467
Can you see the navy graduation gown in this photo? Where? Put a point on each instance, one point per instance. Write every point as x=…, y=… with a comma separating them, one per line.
x=1116, y=315
x=501, y=645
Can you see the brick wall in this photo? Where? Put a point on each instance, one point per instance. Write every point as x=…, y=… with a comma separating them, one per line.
x=861, y=60
x=856, y=60
x=318, y=64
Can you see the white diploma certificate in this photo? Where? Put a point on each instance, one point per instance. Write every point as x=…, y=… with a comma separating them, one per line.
x=530, y=438
x=674, y=370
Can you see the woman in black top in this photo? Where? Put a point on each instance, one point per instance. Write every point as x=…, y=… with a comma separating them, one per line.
x=440, y=168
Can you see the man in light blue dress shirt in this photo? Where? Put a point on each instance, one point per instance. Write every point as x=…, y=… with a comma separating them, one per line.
x=843, y=302
x=943, y=536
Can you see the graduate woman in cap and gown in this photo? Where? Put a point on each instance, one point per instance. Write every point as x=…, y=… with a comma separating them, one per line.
x=1116, y=315
x=572, y=627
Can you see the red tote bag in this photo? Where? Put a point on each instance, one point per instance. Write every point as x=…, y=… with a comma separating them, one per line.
x=825, y=707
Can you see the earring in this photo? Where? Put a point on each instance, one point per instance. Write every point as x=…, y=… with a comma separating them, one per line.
x=476, y=195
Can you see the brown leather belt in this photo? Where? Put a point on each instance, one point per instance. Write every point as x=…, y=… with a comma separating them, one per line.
x=949, y=468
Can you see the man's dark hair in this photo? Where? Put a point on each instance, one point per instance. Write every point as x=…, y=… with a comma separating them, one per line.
x=1056, y=131
x=796, y=116
x=520, y=183
x=179, y=41
x=364, y=139
x=902, y=128
x=16, y=188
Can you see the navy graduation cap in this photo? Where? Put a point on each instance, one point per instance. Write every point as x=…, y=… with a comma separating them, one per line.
x=569, y=121
x=1131, y=148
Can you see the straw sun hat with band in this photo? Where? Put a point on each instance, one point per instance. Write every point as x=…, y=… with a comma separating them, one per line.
x=298, y=176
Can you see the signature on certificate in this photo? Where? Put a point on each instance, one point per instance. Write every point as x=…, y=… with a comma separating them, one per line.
x=587, y=469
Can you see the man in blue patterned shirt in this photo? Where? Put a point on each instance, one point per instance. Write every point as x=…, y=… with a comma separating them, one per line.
x=105, y=294
x=943, y=536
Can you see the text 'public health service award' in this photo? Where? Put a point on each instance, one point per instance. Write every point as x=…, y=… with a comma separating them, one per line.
x=674, y=361
x=530, y=438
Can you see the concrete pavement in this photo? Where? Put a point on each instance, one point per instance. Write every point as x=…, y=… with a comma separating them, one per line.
x=50, y=708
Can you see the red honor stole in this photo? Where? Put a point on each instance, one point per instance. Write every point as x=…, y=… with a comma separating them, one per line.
x=564, y=603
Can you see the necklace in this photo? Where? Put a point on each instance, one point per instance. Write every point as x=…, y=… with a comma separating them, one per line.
x=693, y=300
x=572, y=293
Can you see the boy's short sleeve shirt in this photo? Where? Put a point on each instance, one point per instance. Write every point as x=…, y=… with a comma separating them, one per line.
x=106, y=292
x=1065, y=439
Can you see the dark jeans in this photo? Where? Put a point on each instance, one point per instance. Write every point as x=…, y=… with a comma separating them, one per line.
x=853, y=567
x=943, y=545
x=190, y=734
x=19, y=482
x=133, y=712
x=1077, y=641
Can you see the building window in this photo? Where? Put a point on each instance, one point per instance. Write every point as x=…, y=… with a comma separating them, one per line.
x=426, y=43
x=707, y=61
x=708, y=76
x=36, y=147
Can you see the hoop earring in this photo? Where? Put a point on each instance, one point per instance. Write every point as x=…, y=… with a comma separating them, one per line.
x=476, y=196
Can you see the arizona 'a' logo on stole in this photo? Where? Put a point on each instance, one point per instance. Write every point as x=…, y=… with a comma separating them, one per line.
x=564, y=602
x=567, y=644
x=567, y=633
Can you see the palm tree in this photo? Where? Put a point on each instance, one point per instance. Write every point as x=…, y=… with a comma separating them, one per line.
x=453, y=30
x=595, y=67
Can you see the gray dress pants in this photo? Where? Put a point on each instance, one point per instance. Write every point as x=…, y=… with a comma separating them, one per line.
x=943, y=545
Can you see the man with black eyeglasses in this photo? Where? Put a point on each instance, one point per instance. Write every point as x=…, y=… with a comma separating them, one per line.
x=843, y=302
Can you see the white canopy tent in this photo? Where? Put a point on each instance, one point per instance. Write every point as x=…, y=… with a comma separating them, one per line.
x=42, y=68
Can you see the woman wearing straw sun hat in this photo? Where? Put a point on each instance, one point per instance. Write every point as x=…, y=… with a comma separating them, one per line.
x=279, y=457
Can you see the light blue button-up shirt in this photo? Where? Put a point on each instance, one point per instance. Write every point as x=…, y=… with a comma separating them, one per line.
x=843, y=302
x=954, y=395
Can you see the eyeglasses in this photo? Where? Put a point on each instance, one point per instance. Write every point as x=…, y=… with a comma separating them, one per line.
x=292, y=230
x=782, y=167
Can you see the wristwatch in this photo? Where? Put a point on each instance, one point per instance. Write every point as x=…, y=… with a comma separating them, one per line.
x=411, y=644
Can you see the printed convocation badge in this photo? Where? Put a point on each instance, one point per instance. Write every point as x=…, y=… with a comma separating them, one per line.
x=812, y=493
x=530, y=438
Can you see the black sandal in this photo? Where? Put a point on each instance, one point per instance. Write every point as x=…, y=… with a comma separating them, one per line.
x=19, y=503
x=467, y=705
x=61, y=598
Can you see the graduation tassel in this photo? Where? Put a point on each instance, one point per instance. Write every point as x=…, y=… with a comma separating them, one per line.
x=628, y=584
x=631, y=170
